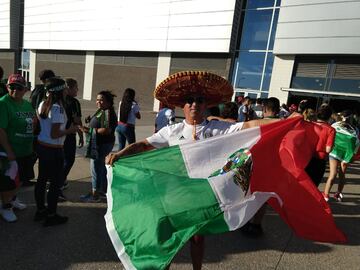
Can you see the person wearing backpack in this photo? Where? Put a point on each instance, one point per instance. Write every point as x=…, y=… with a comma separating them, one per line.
x=39, y=92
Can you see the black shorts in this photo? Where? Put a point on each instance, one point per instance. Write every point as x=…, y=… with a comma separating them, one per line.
x=26, y=168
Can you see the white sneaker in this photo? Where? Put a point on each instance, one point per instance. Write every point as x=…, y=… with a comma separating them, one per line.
x=18, y=205
x=8, y=214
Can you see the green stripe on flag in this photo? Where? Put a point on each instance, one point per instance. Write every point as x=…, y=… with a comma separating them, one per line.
x=144, y=193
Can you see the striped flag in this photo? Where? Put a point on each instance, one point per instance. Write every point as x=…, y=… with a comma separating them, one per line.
x=346, y=143
x=159, y=199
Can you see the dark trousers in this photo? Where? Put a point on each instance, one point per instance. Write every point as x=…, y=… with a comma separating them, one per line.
x=316, y=169
x=69, y=154
x=51, y=166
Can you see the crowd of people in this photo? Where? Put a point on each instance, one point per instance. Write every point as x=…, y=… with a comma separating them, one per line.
x=45, y=129
x=340, y=135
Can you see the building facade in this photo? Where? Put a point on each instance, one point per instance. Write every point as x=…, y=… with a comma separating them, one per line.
x=291, y=49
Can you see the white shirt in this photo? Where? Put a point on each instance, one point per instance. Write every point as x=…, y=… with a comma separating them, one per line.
x=258, y=109
x=132, y=114
x=183, y=132
x=56, y=115
x=164, y=117
x=243, y=111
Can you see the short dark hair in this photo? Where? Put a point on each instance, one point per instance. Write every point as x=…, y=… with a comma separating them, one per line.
x=214, y=111
x=272, y=104
x=324, y=113
x=230, y=110
x=303, y=105
x=70, y=82
x=46, y=74
x=1, y=72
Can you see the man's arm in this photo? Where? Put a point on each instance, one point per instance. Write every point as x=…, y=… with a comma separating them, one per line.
x=4, y=142
x=132, y=149
x=258, y=122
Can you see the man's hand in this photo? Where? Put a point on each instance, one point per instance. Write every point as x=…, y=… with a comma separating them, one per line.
x=111, y=158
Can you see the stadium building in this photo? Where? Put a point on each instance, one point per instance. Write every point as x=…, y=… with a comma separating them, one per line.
x=290, y=49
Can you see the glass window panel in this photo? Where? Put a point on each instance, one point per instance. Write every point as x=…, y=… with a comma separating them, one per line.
x=252, y=95
x=268, y=71
x=259, y=3
x=250, y=66
x=278, y=2
x=264, y=94
x=256, y=29
x=25, y=59
x=273, y=29
x=343, y=85
x=308, y=83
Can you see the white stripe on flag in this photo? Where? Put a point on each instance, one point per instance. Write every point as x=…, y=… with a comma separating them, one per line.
x=204, y=157
x=117, y=243
x=238, y=208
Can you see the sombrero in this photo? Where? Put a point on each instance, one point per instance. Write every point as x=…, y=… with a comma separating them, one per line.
x=177, y=87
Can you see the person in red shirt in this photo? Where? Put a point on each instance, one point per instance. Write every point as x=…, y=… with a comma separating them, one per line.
x=326, y=133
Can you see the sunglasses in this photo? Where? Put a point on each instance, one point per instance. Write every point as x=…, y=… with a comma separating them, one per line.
x=191, y=100
x=16, y=87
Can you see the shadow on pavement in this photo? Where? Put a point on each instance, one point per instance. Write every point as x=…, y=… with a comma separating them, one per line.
x=83, y=243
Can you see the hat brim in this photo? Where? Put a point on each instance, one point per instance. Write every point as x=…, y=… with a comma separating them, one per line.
x=176, y=88
x=20, y=84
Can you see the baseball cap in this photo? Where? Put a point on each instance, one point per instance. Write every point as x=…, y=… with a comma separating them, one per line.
x=16, y=79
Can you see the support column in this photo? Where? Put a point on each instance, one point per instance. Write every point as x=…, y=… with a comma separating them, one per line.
x=89, y=75
x=281, y=76
x=32, y=68
x=163, y=70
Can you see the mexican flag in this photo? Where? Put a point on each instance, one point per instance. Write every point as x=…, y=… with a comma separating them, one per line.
x=159, y=199
x=346, y=143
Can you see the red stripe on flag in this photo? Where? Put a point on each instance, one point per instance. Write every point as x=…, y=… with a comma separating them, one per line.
x=279, y=160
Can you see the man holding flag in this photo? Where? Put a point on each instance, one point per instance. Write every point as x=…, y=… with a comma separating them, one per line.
x=160, y=199
x=194, y=92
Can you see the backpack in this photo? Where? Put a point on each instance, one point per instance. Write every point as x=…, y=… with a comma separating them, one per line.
x=37, y=95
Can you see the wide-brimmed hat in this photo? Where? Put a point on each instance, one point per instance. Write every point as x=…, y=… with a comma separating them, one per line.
x=175, y=89
x=16, y=79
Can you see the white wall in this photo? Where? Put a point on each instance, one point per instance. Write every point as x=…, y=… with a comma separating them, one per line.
x=281, y=76
x=318, y=27
x=4, y=24
x=129, y=25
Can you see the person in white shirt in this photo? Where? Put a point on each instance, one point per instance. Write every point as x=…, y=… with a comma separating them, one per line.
x=128, y=112
x=244, y=110
x=52, y=117
x=205, y=90
x=165, y=117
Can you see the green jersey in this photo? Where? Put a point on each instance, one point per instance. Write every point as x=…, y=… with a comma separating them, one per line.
x=16, y=118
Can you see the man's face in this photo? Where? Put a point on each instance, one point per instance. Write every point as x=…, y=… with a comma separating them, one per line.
x=72, y=91
x=194, y=108
x=16, y=91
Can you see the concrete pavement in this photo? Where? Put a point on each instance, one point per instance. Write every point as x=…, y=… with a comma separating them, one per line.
x=83, y=243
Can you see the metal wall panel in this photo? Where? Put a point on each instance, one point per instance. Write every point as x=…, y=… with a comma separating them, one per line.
x=318, y=27
x=129, y=25
x=5, y=24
